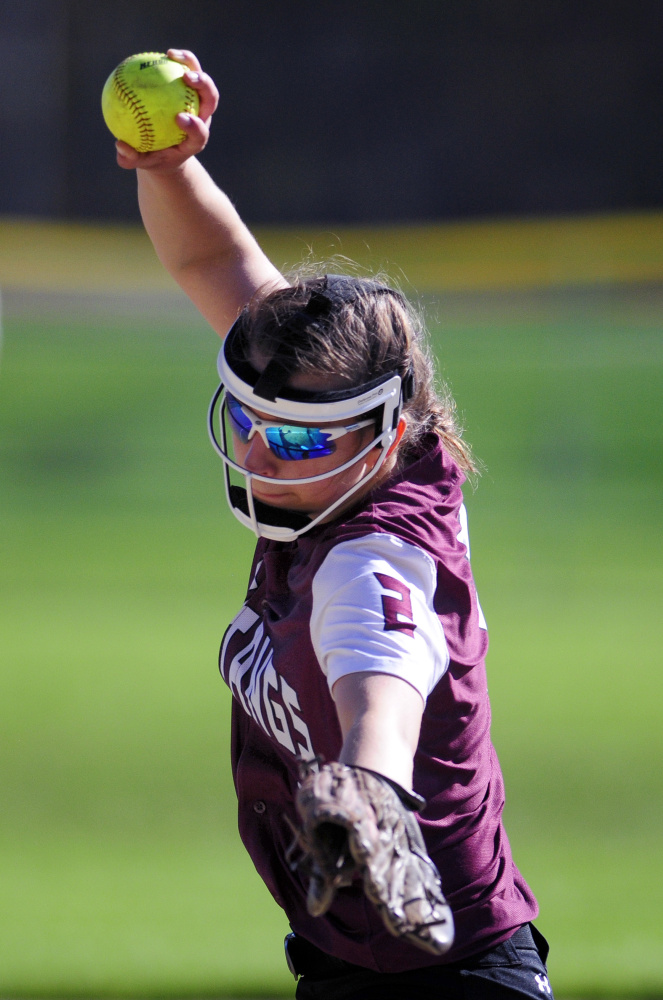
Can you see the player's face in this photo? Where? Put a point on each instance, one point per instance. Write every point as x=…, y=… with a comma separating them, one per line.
x=308, y=498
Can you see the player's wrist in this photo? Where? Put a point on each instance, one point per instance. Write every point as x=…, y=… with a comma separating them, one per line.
x=162, y=171
x=412, y=801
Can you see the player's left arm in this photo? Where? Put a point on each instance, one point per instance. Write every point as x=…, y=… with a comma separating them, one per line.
x=380, y=718
x=381, y=646
x=357, y=818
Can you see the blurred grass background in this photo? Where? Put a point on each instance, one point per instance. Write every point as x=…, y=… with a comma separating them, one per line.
x=122, y=870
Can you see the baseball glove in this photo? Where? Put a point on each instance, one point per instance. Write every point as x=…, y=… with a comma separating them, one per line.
x=359, y=824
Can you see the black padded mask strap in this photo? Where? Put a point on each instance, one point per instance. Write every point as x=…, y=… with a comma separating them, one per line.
x=281, y=367
x=336, y=291
x=274, y=376
x=265, y=514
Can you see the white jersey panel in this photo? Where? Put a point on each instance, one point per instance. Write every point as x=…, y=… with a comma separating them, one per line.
x=373, y=610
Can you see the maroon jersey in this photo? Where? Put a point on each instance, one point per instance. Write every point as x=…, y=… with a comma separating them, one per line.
x=402, y=589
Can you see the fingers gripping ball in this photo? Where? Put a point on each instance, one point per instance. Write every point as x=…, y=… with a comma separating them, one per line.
x=141, y=98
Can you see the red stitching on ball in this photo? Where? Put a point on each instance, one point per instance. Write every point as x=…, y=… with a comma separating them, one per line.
x=189, y=102
x=137, y=108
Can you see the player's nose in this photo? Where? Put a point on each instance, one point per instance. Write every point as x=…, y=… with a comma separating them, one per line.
x=260, y=459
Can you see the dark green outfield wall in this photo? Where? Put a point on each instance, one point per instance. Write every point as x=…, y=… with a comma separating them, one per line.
x=338, y=111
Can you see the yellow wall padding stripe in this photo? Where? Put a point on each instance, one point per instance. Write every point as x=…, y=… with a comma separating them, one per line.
x=458, y=256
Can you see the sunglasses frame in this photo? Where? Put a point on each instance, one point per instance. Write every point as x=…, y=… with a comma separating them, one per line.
x=261, y=426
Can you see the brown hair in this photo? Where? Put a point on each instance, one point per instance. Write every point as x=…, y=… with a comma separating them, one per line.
x=368, y=333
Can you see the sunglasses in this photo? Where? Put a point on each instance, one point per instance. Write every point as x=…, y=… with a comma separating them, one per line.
x=289, y=442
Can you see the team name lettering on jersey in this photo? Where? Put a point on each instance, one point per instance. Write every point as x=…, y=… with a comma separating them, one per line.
x=263, y=693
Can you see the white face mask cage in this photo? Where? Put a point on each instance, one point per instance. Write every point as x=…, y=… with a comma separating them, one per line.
x=283, y=525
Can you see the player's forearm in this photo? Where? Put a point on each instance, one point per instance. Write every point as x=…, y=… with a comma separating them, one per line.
x=202, y=242
x=380, y=718
x=369, y=744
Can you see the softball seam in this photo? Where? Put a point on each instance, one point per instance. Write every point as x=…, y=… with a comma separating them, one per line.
x=137, y=109
x=141, y=117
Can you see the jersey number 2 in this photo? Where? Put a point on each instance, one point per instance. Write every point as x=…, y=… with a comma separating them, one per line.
x=395, y=609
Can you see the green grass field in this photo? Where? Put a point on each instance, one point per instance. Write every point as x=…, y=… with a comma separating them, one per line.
x=122, y=870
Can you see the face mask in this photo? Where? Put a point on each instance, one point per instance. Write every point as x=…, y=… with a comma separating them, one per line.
x=303, y=424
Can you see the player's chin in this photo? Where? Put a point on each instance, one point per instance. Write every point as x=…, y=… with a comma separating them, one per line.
x=276, y=499
x=285, y=501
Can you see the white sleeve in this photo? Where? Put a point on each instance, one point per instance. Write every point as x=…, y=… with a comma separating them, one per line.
x=373, y=610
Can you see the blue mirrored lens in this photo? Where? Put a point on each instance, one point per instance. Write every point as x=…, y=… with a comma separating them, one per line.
x=239, y=421
x=294, y=443
x=287, y=441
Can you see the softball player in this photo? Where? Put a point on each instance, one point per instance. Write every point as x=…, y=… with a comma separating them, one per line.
x=361, y=641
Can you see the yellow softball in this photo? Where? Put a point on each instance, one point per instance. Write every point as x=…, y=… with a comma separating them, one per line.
x=141, y=98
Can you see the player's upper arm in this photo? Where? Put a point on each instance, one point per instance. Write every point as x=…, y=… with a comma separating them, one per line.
x=373, y=611
x=202, y=241
x=221, y=292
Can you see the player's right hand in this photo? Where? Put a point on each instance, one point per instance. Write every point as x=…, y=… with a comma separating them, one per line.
x=196, y=127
